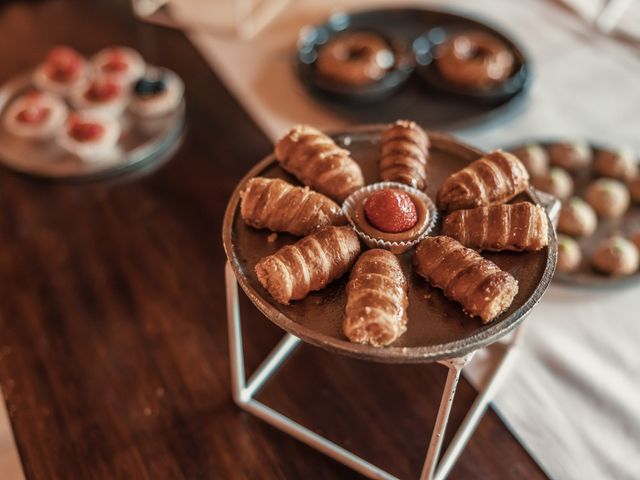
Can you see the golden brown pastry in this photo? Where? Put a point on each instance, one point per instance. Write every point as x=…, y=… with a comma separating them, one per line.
x=493, y=179
x=279, y=206
x=310, y=264
x=376, y=311
x=405, y=148
x=479, y=285
x=520, y=226
x=318, y=162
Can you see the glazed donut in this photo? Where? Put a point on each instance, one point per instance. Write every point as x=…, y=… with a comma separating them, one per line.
x=474, y=59
x=355, y=59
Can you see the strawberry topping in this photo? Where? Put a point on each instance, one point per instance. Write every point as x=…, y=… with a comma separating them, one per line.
x=62, y=64
x=84, y=130
x=391, y=210
x=102, y=90
x=116, y=62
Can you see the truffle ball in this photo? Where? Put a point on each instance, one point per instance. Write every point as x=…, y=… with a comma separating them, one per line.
x=608, y=197
x=570, y=156
x=569, y=254
x=558, y=183
x=620, y=164
x=577, y=218
x=534, y=158
x=616, y=256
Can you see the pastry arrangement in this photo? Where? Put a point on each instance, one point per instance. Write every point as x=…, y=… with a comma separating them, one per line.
x=346, y=227
x=599, y=223
x=88, y=109
x=362, y=57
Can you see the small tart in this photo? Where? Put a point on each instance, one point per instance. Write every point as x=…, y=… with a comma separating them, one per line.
x=398, y=242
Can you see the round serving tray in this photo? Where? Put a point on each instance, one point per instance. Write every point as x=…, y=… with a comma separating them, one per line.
x=142, y=142
x=585, y=275
x=437, y=327
x=418, y=99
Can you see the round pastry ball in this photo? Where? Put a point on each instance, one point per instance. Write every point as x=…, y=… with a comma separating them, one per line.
x=608, y=197
x=558, y=183
x=569, y=254
x=534, y=158
x=616, y=256
x=621, y=164
x=634, y=188
x=635, y=238
x=577, y=218
x=572, y=156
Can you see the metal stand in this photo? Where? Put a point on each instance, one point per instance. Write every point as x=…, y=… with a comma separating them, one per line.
x=244, y=391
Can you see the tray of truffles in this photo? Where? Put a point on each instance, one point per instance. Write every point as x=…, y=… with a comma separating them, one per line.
x=74, y=117
x=390, y=243
x=441, y=68
x=599, y=224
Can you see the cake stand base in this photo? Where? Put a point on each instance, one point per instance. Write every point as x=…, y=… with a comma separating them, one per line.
x=244, y=392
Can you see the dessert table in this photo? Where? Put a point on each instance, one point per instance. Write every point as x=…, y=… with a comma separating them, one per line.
x=113, y=353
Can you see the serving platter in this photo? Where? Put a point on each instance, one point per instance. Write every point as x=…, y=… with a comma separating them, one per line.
x=142, y=142
x=437, y=327
x=585, y=275
x=419, y=97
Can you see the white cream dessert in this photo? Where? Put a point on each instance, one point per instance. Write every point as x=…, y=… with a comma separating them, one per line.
x=89, y=137
x=63, y=71
x=35, y=115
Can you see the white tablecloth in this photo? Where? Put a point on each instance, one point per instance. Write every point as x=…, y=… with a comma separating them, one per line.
x=574, y=401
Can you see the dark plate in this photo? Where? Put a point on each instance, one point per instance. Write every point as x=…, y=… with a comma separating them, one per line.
x=415, y=98
x=585, y=275
x=437, y=327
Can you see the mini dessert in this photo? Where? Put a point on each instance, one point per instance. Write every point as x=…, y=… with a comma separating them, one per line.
x=157, y=93
x=474, y=60
x=89, y=137
x=405, y=148
x=577, y=218
x=635, y=238
x=608, y=197
x=570, y=156
x=120, y=63
x=35, y=115
x=491, y=180
x=479, y=285
x=355, y=59
x=63, y=71
x=390, y=215
x=616, y=256
x=318, y=162
x=103, y=97
x=279, y=206
x=634, y=188
x=534, y=158
x=376, y=311
x=620, y=164
x=569, y=254
x=310, y=264
x=520, y=226
x=558, y=183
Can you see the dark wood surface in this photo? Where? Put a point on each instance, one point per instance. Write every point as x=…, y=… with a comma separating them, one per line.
x=113, y=353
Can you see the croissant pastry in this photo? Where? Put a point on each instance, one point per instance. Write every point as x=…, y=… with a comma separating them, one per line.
x=376, y=311
x=493, y=179
x=318, y=162
x=310, y=264
x=476, y=283
x=279, y=206
x=405, y=147
x=519, y=226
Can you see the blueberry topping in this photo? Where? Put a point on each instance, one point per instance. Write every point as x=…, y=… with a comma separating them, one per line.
x=150, y=86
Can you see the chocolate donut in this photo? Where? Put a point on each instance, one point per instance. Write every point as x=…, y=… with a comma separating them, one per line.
x=475, y=60
x=355, y=59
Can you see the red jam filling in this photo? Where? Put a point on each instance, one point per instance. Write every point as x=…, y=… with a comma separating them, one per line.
x=33, y=114
x=116, y=62
x=391, y=211
x=83, y=131
x=102, y=91
x=62, y=64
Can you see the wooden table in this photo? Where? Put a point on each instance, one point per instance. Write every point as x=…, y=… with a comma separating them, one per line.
x=113, y=353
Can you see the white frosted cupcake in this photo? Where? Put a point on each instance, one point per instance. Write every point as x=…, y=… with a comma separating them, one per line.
x=35, y=115
x=123, y=63
x=104, y=97
x=63, y=71
x=390, y=215
x=89, y=137
x=159, y=92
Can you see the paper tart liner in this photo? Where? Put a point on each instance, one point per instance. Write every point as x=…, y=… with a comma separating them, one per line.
x=350, y=204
